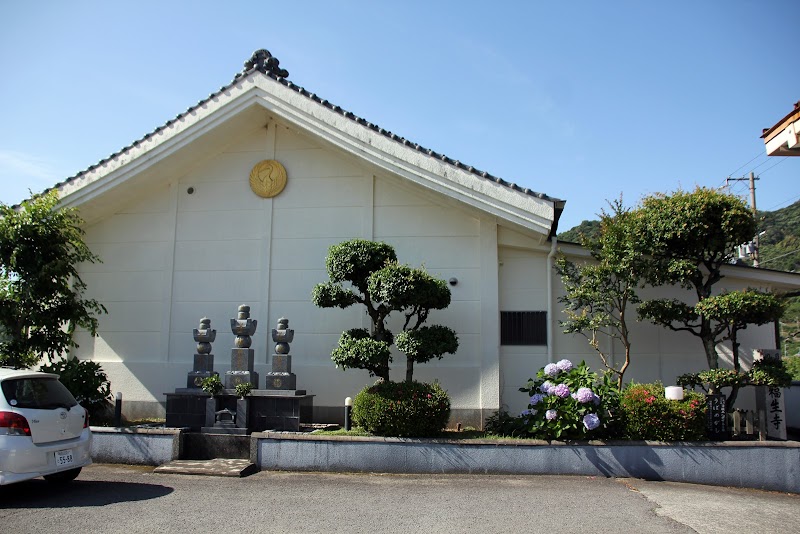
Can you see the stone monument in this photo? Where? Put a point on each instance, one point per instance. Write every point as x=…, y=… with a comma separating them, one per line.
x=770, y=403
x=281, y=377
x=279, y=406
x=203, y=359
x=186, y=407
x=242, y=356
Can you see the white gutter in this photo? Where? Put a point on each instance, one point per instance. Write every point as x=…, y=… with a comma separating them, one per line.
x=550, y=292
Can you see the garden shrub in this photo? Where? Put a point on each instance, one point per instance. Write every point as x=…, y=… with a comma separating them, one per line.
x=87, y=382
x=405, y=409
x=648, y=415
x=502, y=423
x=570, y=402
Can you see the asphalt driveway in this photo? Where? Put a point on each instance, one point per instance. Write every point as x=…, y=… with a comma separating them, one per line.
x=116, y=498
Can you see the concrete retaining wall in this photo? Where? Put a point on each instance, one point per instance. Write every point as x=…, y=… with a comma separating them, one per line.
x=760, y=465
x=144, y=446
x=768, y=465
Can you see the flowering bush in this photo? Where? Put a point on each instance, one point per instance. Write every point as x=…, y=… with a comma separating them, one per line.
x=648, y=415
x=402, y=409
x=569, y=402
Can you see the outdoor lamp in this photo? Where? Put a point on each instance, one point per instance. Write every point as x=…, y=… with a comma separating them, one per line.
x=348, y=408
x=673, y=392
x=118, y=409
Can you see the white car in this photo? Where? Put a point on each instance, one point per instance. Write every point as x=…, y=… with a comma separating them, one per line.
x=43, y=430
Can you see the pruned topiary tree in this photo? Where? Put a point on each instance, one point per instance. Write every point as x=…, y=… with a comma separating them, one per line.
x=691, y=237
x=367, y=273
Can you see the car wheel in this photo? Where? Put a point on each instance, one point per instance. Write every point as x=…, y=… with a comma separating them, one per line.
x=63, y=476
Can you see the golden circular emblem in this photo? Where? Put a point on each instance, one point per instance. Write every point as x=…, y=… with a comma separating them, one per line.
x=268, y=178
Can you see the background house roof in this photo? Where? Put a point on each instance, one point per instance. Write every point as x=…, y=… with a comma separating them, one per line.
x=783, y=139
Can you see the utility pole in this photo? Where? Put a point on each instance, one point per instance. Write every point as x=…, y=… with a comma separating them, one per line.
x=752, y=179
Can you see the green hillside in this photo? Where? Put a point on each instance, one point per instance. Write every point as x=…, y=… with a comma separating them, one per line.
x=573, y=235
x=780, y=245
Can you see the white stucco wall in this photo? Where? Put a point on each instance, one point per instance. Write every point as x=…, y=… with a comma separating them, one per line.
x=172, y=257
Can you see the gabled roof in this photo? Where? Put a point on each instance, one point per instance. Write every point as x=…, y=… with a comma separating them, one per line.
x=476, y=187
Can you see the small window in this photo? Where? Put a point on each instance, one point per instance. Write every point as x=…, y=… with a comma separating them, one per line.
x=523, y=328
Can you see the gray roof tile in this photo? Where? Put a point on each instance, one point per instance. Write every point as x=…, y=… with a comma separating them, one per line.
x=265, y=63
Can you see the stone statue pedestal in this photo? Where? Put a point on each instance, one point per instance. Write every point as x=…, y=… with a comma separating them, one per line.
x=281, y=377
x=242, y=363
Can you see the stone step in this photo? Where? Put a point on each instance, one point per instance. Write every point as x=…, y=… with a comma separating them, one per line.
x=221, y=467
x=199, y=446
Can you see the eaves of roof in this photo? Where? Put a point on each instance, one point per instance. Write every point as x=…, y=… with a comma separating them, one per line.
x=790, y=117
x=262, y=61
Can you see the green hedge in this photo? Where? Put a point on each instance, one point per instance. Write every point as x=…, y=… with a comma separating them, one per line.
x=648, y=415
x=404, y=409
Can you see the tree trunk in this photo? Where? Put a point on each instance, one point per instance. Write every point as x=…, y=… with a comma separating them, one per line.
x=409, y=370
x=711, y=352
x=731, y=400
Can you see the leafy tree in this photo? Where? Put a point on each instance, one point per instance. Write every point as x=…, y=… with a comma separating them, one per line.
x=736, y=310
x=41, y=293
x=793, y=366
x=378, y=282
x=691, y=236
x=599, y=293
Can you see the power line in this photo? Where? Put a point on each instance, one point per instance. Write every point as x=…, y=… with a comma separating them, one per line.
x=781, y=256
x=760, y=153
x=760, y=164
x=784, y=202
x=774, y=165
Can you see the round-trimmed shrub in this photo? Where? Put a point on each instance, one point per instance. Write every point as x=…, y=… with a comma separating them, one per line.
x=404, y=409
x=648, y=415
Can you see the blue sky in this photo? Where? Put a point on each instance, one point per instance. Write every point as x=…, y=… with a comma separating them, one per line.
x=581, y=100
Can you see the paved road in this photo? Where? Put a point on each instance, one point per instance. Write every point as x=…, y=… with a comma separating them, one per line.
x=111, y=498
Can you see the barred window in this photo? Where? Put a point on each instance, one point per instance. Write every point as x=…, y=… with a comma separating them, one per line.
x=523, y=328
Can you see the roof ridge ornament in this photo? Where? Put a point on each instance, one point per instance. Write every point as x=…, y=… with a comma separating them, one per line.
x=263, y=61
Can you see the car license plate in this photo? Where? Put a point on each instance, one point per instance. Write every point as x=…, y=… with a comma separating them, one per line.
x=64, y=457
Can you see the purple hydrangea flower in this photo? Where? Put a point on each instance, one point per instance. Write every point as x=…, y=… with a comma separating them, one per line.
x=536, y=398
x=551, y=369
x=551, y=414
x=561, y=391
x=525, y=413
x=591, y=421
x=584, y=395
x=564, y=365
x=546, y=387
